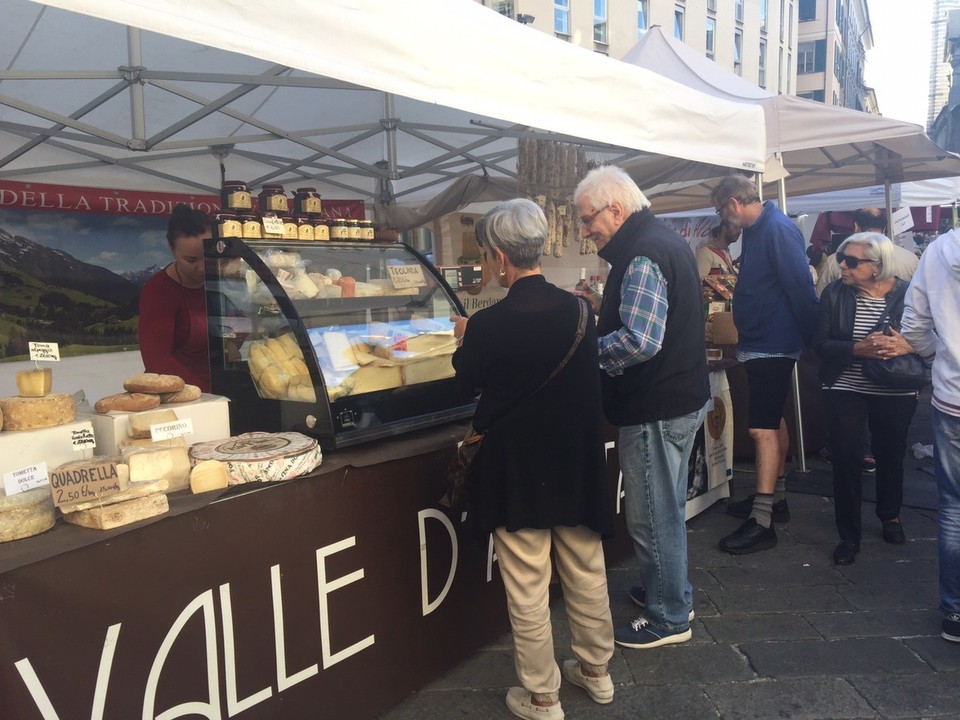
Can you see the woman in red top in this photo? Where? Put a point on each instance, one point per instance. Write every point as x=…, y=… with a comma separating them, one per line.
x=173, y=317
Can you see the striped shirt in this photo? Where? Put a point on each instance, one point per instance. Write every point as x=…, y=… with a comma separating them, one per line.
x=868, y=314
x=643, y=312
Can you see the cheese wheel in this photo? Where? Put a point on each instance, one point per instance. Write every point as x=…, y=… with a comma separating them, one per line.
x=119, y=514
x=25, y=514
x=262, y=457
x=127, y=402
x=34, y=413
x=138, y=426
x=153, y=383
x=209, y=475
x=34, y=383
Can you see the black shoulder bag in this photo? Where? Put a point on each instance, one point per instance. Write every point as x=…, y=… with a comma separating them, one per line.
x=905, y=372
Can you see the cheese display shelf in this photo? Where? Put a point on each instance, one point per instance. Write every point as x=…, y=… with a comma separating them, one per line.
x=343, y=341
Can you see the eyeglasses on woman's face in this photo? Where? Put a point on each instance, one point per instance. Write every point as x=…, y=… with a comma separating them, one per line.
x=850, y=261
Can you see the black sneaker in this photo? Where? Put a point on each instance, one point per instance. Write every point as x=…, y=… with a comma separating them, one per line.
x=742, y=509
x=750, y=537
x=950, y=629
x=638, y=593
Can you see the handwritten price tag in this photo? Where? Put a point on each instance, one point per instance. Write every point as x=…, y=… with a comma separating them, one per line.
x=170, y=430
x=272, y=225
x=25, y=479
x=406, y=276
x=82, y=438
x=43, y=351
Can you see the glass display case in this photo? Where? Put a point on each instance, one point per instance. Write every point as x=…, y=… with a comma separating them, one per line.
x=346, y=342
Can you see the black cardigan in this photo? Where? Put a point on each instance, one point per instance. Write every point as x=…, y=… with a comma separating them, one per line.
x=833, y=339
x=542, y=462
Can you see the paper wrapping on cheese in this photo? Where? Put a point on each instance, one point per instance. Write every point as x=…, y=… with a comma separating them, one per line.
x=118, y=514
x=262, y=457
x=25, y=514
x=28, y=413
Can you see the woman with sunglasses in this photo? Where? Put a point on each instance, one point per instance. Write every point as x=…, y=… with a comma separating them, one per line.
x=853, y=312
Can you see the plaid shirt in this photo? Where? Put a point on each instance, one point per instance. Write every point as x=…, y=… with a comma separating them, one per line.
x=643, y=311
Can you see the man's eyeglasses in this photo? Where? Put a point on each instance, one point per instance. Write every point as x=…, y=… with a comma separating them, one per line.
x=850, y=261
x=588, y=221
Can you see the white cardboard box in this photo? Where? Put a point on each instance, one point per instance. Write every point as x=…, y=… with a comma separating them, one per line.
x=209, y=416
x=21, y=449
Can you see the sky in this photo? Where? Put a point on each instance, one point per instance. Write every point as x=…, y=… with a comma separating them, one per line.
x=898, y=66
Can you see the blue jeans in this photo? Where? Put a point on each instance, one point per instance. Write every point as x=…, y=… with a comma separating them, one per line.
x=653, y=459
x=946, y=461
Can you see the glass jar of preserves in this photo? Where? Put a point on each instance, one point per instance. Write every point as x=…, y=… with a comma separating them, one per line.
x=338, y=229
x=228, y=225
x=252, y=228
x=321, y=229
x=307, y=201
x=353, y=229
x=304, y=227
x=235, y=196
x=366, y=230
x=273, y=199
x=290, y=230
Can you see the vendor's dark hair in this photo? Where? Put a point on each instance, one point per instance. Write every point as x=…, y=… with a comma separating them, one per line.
x=186, y=222
x=871, y=219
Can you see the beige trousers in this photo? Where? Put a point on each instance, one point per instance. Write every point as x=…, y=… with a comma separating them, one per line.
x=524, y=559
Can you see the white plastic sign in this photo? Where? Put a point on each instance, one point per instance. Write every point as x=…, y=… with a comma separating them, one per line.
x=24, y=479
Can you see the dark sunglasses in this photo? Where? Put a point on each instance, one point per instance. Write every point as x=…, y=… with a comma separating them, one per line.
x=851, y=261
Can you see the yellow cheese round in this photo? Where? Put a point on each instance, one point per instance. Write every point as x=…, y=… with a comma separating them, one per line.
x=20, y=413
x=25, y=514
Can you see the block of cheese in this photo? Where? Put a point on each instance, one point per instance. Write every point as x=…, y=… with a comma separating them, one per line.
x=430, y=368
x=371, y=378
x=131, y=493
x=34, y=383
x=118, y=514
x=170, y=464
x=138, y=426
x=24, y=413
x=25, y=514
x=262, y=457
x=131, y=445
x=209, y=475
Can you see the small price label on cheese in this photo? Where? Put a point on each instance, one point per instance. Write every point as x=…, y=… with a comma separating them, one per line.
x=86, y=481
x=170, y=430
x=272, y=225
x=44, y=351
x=82, y=437
x=406, y=276
x=25, y=479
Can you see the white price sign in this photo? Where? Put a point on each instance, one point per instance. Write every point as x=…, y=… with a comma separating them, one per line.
x=272, y=225
x=25, y=479
x=406, y=276
x=82, y=437
x=44, y=351
x=902, y=221
x=171, y=430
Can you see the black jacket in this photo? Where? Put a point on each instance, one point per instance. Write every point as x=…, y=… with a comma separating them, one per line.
x=673, y=382
x=833, y=339
x=542, y=463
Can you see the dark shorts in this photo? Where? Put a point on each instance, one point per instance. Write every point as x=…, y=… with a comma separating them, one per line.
x=768, y=382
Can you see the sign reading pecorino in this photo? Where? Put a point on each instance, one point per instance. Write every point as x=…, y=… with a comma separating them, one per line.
x=69, y=198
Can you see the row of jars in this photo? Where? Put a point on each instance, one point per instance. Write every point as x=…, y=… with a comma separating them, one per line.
x=292, y=227
x=235, y=196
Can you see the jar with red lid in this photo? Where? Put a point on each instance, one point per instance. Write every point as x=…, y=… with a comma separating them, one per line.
x=228, y=225
x=252, y=227
x=321, y=229
x=273, y=199
x=338, y=229
x=307, y=201
x=234, y=195
x=304, y=227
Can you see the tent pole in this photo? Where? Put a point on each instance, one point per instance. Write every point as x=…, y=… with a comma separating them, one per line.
x=797, y=412
x=887, y=196
x=138, y=129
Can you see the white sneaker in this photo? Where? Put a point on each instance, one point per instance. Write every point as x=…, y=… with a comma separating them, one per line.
x=519, y=702
x=600, y=689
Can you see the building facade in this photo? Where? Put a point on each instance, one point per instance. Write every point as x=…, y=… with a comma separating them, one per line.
x=833, y=38
x=757, y=39
x=940, y=69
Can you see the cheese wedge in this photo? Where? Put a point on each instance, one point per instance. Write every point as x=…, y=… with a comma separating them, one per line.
x=171, y=464
x=209, y=475
x=138, y=426
x=35, y=383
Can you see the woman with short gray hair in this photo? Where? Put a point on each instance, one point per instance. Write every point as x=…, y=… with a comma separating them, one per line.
x=538, y=482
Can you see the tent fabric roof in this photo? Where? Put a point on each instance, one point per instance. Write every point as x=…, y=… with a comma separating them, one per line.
x=368, y=98
x=821, y=147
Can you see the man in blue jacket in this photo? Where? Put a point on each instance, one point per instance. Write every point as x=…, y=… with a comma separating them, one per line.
x=775, y=311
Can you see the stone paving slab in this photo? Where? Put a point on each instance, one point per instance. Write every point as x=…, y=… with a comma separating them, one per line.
x=695, y=664
x=800, y=699
x=912, y=696
x=876, y=623
x=776, y=599
x=833, y=658
x=733, y=628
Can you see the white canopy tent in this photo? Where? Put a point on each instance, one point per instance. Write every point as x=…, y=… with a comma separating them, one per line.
x=821, y=148
x=377, y=99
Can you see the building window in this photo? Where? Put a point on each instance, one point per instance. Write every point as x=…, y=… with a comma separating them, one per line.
x=806, y=58
x=837, y=62
x=808, y=11
x=561, y=17
x=600, y=21
x=712, y=5
x=781, y=68
x=641, y=18
x=813, y=95
x=504, y=7
x=738, y=10
x=762, y=72
x=789, y=78
x=790, y=17
x=711, y=36
x=783, y=19
x=763, y=15
x=678, y=22
x=738, y=52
